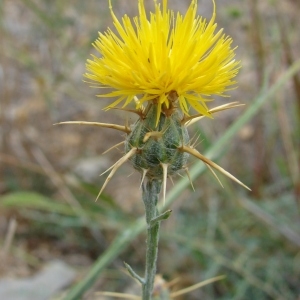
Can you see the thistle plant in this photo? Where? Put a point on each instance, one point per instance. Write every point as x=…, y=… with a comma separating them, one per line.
x=164, y=67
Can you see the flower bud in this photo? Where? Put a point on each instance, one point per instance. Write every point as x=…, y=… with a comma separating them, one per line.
x=158, y=142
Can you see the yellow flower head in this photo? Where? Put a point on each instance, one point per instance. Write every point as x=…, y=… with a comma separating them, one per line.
x=165, y=58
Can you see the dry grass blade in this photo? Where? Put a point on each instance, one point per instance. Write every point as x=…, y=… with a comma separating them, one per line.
x=196, y=286
x=173, y=295
x=17, y=162
x=118, y=295
x=62, y=187
x=12, y=226
x=289, y=145
x=267, y=218
x=287, y=47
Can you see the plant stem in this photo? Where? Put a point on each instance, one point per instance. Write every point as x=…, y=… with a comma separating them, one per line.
x=150, y=197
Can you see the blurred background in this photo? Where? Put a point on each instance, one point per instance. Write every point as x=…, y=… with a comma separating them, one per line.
x=50, y=224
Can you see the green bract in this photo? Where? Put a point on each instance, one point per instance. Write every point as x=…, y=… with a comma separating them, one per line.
x=158, y=144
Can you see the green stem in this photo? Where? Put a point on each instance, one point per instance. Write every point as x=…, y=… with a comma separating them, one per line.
x=150, y=197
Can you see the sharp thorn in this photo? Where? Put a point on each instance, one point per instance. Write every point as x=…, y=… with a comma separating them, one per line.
x=215, y=175
x=104, y=125
x=115, y=167
x=165, y=174
x=189, y=120
x=143, y=176
x=118, y=295
x=115, y=146
x=155, y=134
x=139, y=111
x=207, y=161
x=189, y=177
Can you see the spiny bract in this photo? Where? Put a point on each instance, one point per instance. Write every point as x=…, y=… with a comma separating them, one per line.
x=158, y=145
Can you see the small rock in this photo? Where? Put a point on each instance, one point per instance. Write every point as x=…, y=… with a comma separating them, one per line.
x=89, y=169
x=44, y=285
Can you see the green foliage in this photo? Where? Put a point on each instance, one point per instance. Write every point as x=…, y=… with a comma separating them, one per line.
x=32, y=200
